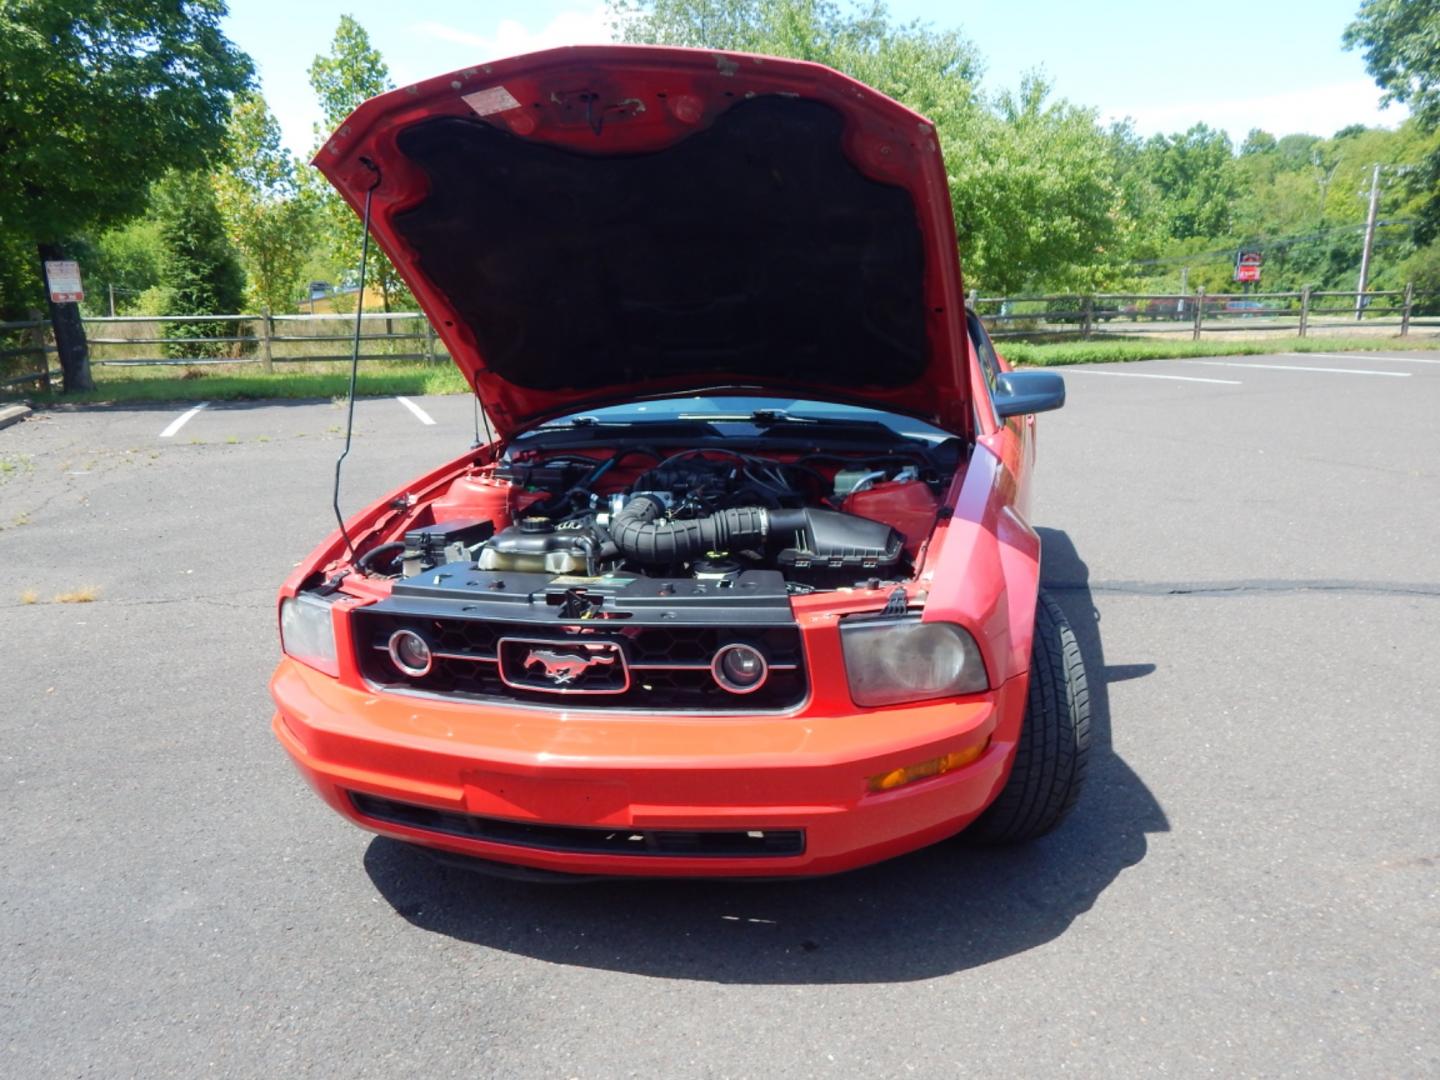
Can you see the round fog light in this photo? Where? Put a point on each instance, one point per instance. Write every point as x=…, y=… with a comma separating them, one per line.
x=740, y=668
x=411, y=653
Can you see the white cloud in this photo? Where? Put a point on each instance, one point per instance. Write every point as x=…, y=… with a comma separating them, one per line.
x=1318, y=110
x=578, y=26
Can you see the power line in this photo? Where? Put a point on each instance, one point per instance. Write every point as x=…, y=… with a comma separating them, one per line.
x=1228, y=252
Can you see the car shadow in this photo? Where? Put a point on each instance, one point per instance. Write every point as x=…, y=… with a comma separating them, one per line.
x=937, y=911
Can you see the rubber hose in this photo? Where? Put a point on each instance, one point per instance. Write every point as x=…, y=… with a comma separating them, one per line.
x=641, y=537
x=366, y=561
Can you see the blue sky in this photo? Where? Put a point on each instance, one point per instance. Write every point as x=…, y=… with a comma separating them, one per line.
x=1275, y=64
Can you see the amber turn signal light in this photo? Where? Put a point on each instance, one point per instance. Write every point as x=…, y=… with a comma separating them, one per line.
x=956, y=759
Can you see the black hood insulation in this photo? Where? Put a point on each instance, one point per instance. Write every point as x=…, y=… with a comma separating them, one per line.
x=752, y=247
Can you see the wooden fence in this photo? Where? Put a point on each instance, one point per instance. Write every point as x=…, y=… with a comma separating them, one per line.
x=26, y=347
x=264, y=339
x=1304, y=313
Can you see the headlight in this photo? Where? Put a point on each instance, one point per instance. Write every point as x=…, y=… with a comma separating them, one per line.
x=893, y=660
x=307, y=632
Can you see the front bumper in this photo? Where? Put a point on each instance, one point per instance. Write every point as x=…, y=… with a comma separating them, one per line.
x=560, y=790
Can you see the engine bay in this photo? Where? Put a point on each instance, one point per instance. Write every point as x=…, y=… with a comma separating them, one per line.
x=811, y=520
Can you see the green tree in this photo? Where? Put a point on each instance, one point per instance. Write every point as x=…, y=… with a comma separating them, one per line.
x=352, y=72
x=1192, y=171
x=1296, y=150
x=97, y=99
x=128, y=259
x=1400, y=40
x=1422, y=268
x=20, y=291
x=269, y=217
x=1035, y=195
x=201, y=273
x=1258, y=141
x=1140, y=210
x=1401, y=43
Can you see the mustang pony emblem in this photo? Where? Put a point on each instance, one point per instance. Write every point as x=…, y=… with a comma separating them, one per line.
x=564, y=667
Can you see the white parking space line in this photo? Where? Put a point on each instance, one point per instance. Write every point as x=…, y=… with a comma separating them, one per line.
x=1368, y=356
x=1294, y=367
x=181, y=420
x=1147, y=375
x=420, y=414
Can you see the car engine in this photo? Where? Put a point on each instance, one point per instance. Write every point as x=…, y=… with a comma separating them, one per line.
x=708, y=515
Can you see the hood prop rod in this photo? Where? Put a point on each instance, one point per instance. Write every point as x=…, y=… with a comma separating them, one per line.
x=355, y=354
x=479, y=417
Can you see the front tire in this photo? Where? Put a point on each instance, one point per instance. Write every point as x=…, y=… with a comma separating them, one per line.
x=1054, y=744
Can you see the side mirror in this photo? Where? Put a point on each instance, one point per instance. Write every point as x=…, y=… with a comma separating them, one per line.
x=1019, y=393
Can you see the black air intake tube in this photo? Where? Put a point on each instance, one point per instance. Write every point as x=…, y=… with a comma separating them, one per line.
x=815, y=538
x=642, y=538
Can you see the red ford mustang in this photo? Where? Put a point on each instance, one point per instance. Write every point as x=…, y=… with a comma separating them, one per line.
x=744, y=585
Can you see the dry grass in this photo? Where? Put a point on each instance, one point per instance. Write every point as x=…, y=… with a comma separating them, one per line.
x=29, y=596
x=86, y=595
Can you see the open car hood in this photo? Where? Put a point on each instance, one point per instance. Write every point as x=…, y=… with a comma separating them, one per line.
x=592, y=225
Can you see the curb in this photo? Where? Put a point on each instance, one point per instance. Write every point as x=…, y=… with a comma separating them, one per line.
x=13, y=414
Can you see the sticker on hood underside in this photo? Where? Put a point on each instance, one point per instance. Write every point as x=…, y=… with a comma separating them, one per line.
x=488, y=102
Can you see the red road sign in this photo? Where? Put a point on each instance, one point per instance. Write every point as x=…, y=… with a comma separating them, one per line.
x=1247, y=265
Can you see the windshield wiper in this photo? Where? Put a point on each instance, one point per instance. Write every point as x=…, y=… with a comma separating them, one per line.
x=779, y=422
x=761, y=417
x=571, y=423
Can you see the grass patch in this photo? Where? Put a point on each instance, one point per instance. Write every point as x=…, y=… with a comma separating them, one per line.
x=1094, y=351
x=242, y=382
x=29, y=596
x=87, y=595
x=10, y=467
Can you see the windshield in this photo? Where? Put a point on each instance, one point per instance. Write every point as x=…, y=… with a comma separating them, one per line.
x=747, y=415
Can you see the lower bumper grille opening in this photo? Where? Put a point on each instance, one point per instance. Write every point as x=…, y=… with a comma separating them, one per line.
x=756, y=843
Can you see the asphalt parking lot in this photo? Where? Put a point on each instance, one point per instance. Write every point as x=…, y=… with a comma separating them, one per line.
x=1250, y=886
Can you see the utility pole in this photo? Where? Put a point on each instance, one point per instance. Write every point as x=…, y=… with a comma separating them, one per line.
x=1369, y=243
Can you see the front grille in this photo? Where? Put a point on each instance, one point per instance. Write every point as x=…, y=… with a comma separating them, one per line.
x=584, y=840
x=662, y=668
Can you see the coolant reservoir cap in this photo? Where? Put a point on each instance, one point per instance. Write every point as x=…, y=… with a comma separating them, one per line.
x=536, y=525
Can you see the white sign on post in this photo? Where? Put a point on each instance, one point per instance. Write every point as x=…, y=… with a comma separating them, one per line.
x=63, y=277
